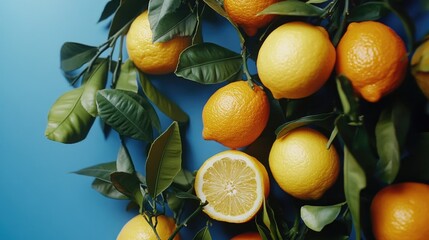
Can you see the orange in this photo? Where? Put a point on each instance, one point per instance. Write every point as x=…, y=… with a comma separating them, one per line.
x=244, y=14
x=234, y=184
x=373, y=57
x=139, y=229
x=401, y=211
x=295, y=60
x=236, y=114
x=150, y=57
x=302, y=164
x=420, y=67
x=247, y=236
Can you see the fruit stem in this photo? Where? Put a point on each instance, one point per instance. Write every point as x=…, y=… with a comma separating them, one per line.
x=185, y=222
x=245, y=67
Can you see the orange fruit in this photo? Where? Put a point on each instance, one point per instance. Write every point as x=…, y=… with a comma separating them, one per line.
x=139, y=229
x=247, y=236
x=295, y=60
x=236, y=114
x=420, y=67
x=150, y=57
x=401, y=211
x=234, y=184
x=373, y=57
x=302, y=165
x=244, y=14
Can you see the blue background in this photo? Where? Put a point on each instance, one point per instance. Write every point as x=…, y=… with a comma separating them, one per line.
x=40, y=198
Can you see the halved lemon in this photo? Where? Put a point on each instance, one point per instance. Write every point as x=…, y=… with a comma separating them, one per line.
x=234, y=184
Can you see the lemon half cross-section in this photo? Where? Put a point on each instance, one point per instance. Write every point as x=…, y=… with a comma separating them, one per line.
x=234, y=184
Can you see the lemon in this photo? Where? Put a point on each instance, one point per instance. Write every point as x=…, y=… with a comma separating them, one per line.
x=295, y=60
x=302, y=164
x=234, y=184
x=138, y=228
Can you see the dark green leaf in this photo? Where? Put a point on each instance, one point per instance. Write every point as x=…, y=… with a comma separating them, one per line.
x=368, y=11
x=317, y=217
x=120, y=110
x=358, y=142
x=164, y=104
x=293, y=8
x=128, y=77
x=75, y=55
x=184, y=180
x=186, y=195
x=348, y=98
x=203, y=234
x=101, y=171
x=124, y=162
x=415, y=167
x=209, y=63
x=354, y=182
x=269, y=222
x=164, y=160
x=128, y=184
x=322, y=119
x=95, y=81
x=68, y=121
x=170, y=18
x=390, y=132
x=127, y=11
x=107, y=189
x=109, y=9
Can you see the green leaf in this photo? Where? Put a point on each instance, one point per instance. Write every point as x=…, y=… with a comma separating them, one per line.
x=316, y=1
x=107, y=189
x=75, y=55
x=109, y=9
x=323, y=119
x=358, y=142
x=164, y=104
x=124, y=162
x=354, y=182
x=269, y=222
x=164, y=160
x=293, y=8
x=101, y=171
x=186, y=195
x=127, y=11
x=348, y=98
x=120, y=110
x=128, y=77
x=208, y=63
x=129, y=185
x=95, y=81
x=203, y=234
x=415, y=167
x=391, y=131
x=170, y=18
x=317, y=217
x=368, y=11
x=68, y=121
x=184, y=180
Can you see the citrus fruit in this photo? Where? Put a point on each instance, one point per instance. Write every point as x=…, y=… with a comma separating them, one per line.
x=295, y=60
x=420, y=67
x=139, y=229
x=302, y=165
x=373, y=57
x=244, y=14
x=234, y=184
x=247, y=236
x=150, y=57
x=236, y=114
x=401, y=211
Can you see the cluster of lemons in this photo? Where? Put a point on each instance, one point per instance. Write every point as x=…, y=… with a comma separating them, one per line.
x=295, y=61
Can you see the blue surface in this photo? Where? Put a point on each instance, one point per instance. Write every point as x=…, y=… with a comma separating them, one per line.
x=40, y=198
